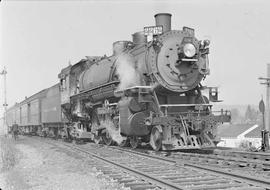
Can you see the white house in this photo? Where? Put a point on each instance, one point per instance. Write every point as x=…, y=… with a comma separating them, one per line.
x=232, y=135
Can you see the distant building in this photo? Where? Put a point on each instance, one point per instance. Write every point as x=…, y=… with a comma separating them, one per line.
x=232, y=135
x=254, y=136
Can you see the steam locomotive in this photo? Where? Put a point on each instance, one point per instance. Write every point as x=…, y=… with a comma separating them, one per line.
x=148, y=91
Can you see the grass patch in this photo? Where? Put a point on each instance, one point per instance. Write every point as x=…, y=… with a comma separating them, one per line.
x=8, y=152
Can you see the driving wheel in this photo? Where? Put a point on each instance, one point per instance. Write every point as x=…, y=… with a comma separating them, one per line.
x=156, y=139
x=124, y=143
x=107, y=138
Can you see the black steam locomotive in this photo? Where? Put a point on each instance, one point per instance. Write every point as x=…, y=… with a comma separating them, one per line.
x=148, y=91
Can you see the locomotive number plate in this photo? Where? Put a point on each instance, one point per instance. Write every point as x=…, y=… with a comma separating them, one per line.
x=153, y=30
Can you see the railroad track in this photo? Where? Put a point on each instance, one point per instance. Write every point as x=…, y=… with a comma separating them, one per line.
x=215, y=163
x=143, y=171
x=252, y=163
x=255, y=164
x=263, y=156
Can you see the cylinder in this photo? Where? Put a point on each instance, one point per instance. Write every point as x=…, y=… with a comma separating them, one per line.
x=119, y=47
x=164, y=20
x=139, y=38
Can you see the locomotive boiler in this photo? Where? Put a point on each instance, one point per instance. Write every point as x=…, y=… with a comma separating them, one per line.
x=148, y=91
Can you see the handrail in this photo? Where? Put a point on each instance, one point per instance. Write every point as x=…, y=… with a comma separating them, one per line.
x=183, y=105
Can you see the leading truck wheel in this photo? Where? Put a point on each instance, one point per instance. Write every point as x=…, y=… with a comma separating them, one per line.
x=106, y=137
x=156, y=139
x=134, y=142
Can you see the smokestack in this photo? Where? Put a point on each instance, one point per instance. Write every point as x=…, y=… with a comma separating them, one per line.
x=139, y=38
x=164, y=20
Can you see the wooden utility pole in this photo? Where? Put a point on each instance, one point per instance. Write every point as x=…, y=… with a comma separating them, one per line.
x=266, y=82
x=268, y=99
x=4, y=73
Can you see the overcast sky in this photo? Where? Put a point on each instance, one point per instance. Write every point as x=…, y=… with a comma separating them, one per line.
x=38, y=39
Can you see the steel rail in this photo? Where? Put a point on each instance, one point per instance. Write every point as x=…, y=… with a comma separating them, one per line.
x=239, y=177
x=163, y=183
x=255, y=181
x=151, y=179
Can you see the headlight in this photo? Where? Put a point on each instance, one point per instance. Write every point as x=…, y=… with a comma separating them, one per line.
x=189, y=50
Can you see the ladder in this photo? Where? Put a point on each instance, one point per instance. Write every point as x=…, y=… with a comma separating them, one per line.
x=185, y=126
